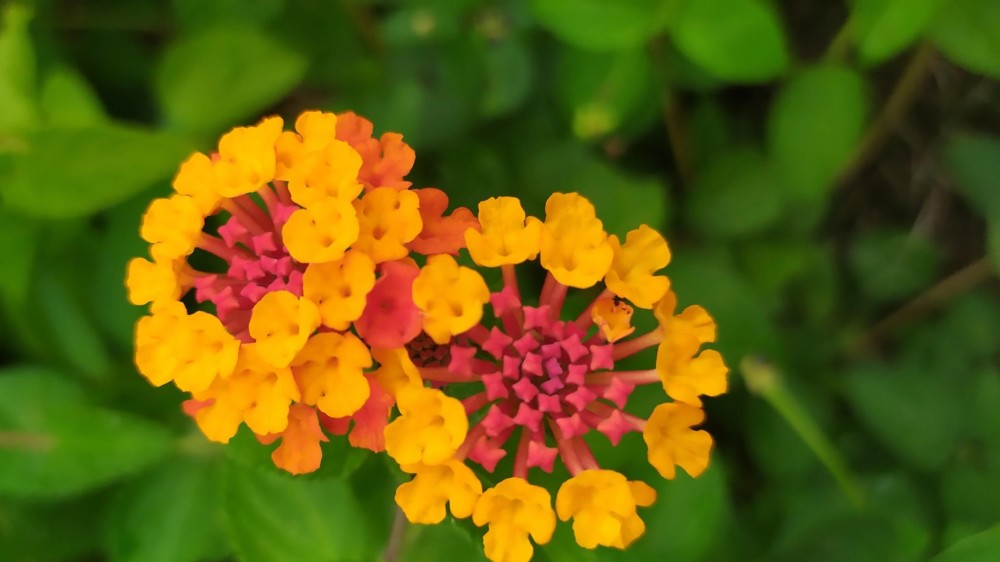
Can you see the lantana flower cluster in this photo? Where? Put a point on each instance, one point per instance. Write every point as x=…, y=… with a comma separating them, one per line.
x=298, y=285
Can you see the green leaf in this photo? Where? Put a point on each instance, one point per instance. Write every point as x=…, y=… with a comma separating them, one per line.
x=510, y=75
x=604, y=26
x=775, y=263
x=884, y=28
x=275, y=518
x=983, y=423
x=814, y=127
x=18, y=244
x=821, y=526
x=52, y=532
x=68, y=100
x=209, y=81
x=915, y=413
x=736, y=195
x=197, y=15
x=968, y=33
x=971, y=321
x=711, y=280
x=600, y=91
x=426, y=543
x=711, y=132
x=563, y=548
x=970, y=494
x=69, y=327
x=430, y=95
x=736, y=40
x=76, y=171
x=982, y=547
x=974, y=162
x=18, y=109
x=54, y=444
x=993, y=238
x=891, y=263
x=170, y=515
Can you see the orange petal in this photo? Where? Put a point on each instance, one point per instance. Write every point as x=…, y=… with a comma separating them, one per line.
x=300, y=451
x=441, y=234
x=385, y=160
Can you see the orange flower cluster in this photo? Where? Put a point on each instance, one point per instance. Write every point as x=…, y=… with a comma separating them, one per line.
x=307, y=236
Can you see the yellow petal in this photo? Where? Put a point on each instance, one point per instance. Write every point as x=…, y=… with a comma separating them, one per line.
x=281, y=323
x=507, y=236
x=514, y=510
x=423, y=499
x=450, y=296
x=153, y=281
x=687, y=379
x=671, y=442
x=198, y=180
x=574, y=245
x=389, y=219
x=330, y=370
x=339, y=288
x=632, y=270
x=173, y=227
x=396, y=371
x=321, y=233
x=429, y=430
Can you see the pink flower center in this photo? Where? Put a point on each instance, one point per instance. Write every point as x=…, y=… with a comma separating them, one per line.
x=256, y=258
x=536, y=379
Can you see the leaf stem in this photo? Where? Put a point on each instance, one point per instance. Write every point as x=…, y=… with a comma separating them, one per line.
x=397, y=536
x=763, y=379
x=836, y=52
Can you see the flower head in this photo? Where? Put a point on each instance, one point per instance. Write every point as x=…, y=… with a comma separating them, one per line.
x=534, y=381
x=303, y=239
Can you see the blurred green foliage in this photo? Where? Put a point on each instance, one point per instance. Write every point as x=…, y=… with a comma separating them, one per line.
x=828, y=174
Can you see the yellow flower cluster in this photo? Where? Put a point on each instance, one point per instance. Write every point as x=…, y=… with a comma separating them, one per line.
x=324, y=318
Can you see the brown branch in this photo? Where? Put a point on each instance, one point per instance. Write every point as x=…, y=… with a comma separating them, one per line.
x=903, y=95
x=949, y=287
x=673, y=117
